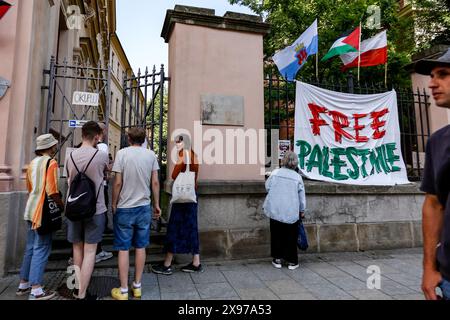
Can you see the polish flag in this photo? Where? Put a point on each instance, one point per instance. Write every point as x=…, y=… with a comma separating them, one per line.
x=373, y=53
x=4, y=7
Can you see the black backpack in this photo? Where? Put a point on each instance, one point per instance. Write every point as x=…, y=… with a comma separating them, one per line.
x=82, y=199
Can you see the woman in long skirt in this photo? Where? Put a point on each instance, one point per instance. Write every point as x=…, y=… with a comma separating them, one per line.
x=182, y=229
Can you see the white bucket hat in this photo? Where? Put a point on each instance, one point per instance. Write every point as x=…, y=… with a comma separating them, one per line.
x=45, y=141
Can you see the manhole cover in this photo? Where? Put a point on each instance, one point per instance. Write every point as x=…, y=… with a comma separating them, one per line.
x=99, y=286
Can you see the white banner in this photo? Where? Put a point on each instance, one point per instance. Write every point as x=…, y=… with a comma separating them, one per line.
x=348, y=138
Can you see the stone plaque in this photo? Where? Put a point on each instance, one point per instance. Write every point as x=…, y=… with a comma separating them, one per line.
x=222, y=110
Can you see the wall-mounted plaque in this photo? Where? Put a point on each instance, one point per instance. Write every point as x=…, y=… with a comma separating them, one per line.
x=222, y=110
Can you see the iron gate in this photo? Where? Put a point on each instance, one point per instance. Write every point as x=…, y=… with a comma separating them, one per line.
x=63, y=80
x=146, y=96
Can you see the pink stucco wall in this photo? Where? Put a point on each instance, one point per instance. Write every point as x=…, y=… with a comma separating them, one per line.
x=439, y=117
x=211, y=61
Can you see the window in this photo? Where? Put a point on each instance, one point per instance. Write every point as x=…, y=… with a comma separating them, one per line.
x=112, y=59
x=117, y=109
x=118, y=69
x=110, y=104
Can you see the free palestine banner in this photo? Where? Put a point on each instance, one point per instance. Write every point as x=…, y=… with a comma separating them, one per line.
x=348, y=138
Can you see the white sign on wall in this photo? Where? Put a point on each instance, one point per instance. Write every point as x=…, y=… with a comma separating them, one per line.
x=283, y=147
x=85, y=99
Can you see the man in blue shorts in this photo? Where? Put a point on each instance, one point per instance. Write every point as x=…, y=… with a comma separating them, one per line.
x=136, y=171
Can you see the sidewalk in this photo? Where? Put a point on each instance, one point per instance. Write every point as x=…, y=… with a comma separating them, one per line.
x=328, y=276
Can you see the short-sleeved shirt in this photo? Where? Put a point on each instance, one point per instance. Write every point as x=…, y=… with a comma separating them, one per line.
x=436, y=181
x=95, y=171
x=40, y=181
x=136, y=165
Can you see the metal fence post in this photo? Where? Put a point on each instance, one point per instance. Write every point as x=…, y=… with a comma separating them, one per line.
x=350, y=85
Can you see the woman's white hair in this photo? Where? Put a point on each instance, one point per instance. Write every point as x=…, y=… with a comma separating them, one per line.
x=290, y=160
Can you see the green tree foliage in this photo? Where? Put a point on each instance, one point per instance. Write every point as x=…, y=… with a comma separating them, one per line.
x=432, y=21
x=289, y=18
x=157, y=112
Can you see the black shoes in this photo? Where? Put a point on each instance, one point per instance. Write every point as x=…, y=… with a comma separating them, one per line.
x=191, y=268
x=162, y=269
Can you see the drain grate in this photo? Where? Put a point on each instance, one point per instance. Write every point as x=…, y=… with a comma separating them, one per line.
x=100, y=286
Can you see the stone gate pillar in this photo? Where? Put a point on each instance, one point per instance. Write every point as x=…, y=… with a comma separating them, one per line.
x=216, y=93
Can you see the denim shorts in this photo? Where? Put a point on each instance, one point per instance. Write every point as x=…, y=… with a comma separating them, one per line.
x=132, y=228
x=445, y=288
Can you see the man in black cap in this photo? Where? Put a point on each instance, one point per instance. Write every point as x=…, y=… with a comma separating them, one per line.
x=436, y=185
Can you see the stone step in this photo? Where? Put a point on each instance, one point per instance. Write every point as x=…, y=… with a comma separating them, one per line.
x=62, y=265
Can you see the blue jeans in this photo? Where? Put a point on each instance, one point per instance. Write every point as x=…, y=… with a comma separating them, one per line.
x=445, y=288
x=132, y=228
x=35, y=257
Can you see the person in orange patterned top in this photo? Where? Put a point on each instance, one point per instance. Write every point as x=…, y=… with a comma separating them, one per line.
x=42, y=180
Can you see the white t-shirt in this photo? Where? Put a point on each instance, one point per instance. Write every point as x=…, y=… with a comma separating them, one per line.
x=136, y=165
x=103, y=147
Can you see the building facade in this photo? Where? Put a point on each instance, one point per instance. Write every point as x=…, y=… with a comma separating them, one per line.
x=75, y=33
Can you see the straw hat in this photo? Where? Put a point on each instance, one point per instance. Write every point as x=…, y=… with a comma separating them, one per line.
x=45, y=141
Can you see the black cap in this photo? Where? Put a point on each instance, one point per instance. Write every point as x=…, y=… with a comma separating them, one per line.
x=425, y=66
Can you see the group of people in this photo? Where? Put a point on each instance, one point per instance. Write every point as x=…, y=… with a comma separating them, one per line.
x=135, y=183
x=136, y=179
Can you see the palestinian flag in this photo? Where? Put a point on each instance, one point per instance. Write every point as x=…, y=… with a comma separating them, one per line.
x=373, y=53
x=345, y=44
x=4, y=7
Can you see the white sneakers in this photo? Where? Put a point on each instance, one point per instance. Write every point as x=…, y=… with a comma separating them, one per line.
x=102, y=256
x=277, y=264
x=292, y=266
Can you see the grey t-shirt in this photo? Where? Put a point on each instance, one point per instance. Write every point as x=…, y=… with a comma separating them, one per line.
x=95, y=172
x=136, y=165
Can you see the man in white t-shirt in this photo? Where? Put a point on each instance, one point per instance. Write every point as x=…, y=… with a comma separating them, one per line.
x=136, y=171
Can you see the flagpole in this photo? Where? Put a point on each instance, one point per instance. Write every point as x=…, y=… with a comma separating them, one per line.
x=385, y=74
x=317, y=66
x=317, y=55
x=359, y=50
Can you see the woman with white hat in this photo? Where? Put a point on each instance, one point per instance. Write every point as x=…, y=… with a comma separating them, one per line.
x=42, y=180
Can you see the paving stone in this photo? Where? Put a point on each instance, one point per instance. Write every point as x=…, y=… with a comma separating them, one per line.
x=327, y=292
x=283, y=287
x=175, y=283
x=190, y=295
x=348, y=283
x=215, y=290
x=257, y=294
x=231, y=267
x=210, y=275
x=392, y=288
x=305, y=276
x=150, y=292
x=268, y=272
x=370, y=295
x=326, y=270
x=414, y=296
x=243, y=280
x=336, y=276
x=149, y=279
x=297, y=296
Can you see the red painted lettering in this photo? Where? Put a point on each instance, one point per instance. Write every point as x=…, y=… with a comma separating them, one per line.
x=316, y=121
